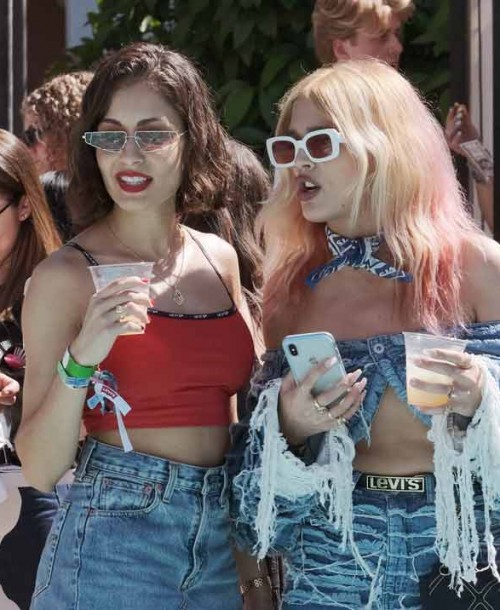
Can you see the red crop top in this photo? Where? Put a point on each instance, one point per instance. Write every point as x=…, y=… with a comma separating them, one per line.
x=181, y=372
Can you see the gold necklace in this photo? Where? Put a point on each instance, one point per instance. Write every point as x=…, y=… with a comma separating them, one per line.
x=177, y=295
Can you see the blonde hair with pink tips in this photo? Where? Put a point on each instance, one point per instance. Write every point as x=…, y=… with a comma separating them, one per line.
x=405, y=177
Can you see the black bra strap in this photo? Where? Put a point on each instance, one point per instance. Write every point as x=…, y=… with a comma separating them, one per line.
x=86, y=254
x=212, y=264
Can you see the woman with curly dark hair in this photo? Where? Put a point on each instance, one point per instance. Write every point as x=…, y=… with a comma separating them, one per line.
x=146, y=521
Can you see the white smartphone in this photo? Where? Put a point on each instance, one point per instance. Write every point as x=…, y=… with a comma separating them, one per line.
x=307, y=350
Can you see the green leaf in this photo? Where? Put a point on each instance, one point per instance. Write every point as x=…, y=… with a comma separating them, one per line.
x=231, y=65
x=251, y=135
x=247, y=52
x=241, y=32
x=279, y=58
x=230, y=87
x=268, y=24
x=296, y=70
x=196, y=6
x=150, y=5
x=436, y=81
x=236, y=106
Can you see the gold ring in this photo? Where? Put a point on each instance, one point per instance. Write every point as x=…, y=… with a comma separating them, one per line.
x=318, y=406
x=341, y=421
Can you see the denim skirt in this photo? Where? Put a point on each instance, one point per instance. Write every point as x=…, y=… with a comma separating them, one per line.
x=395, y=534
x=139, y=532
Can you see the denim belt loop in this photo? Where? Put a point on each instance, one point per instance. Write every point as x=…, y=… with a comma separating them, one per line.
x=172, y=480
x=85, y=455
x=224, y=495
x=430, y=488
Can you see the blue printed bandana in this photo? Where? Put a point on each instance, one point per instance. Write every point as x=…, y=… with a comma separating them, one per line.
x=357, y=253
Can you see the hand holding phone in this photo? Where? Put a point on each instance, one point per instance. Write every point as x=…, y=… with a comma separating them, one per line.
x=318, y=395
x=307, y=350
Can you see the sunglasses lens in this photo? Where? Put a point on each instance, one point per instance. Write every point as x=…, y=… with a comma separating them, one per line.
x=30, y=137
x=150, y=141
x=112, y=141
x=283, y=152
x=320, y=146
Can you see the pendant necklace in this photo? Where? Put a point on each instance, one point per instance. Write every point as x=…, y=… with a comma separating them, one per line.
x=177, y=295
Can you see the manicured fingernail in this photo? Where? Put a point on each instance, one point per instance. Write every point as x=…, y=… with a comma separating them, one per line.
x=145, y=280
x=355, y=376
x=330, y=362
x=361, y=384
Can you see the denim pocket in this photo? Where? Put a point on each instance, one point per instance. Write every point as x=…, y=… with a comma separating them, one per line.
x=122, y=496
x=44, y=573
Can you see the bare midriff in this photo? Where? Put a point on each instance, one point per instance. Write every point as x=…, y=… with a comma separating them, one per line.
x=197, y=446
x=399, y=444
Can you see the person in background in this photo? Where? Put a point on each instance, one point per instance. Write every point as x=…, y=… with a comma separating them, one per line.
x=49, y=113
x=461, y=131
x=146, y=522
x=55, y=186
x=352, y=29
x=27, y=236
x=366, y=237
x=248, y=186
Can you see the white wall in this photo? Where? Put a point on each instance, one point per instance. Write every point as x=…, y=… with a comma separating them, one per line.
x=76, y=17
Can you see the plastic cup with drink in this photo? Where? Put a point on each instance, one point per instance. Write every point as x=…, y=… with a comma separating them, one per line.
x=417, y=345
x=103, y=275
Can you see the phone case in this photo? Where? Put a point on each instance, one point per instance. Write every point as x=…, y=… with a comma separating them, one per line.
x=304, y=351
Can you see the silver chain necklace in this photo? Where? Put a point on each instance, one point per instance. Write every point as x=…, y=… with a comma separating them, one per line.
x=177, y=295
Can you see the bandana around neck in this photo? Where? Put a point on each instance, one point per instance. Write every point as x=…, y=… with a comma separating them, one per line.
x=357, y=253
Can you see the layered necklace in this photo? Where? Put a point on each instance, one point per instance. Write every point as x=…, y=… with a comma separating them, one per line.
x=177, y=295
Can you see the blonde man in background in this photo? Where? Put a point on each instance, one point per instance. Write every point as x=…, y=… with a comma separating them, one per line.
x=353, y=29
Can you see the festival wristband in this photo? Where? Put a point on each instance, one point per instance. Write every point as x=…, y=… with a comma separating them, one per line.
x=73, y=369
x=69, y=381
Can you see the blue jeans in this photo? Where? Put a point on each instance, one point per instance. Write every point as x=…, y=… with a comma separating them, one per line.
x=21, y=548
x=139, y=532
x=395, y=535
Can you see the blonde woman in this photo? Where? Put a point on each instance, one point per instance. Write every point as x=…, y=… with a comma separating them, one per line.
x=367, y=237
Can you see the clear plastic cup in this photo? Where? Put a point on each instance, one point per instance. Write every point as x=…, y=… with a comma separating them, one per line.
x=103, y=275
x=417, y=345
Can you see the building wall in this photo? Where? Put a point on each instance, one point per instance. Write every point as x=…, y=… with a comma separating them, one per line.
x=76, y=20
x=481, y=70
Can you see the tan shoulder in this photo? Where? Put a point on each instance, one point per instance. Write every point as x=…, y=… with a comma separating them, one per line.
x=481, y=278
x=222, y=254
x=65, y=265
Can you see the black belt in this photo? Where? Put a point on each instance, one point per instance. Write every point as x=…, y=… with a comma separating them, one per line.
x=380, y=482
x=8, y=457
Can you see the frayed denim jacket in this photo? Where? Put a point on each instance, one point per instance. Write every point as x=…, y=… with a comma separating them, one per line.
x=272, y=488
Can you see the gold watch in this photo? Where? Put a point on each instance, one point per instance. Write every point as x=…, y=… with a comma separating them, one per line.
x=254, y=583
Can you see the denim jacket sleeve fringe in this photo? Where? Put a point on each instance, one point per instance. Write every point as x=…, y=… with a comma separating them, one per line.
x=275, y=480
x=456, y=471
